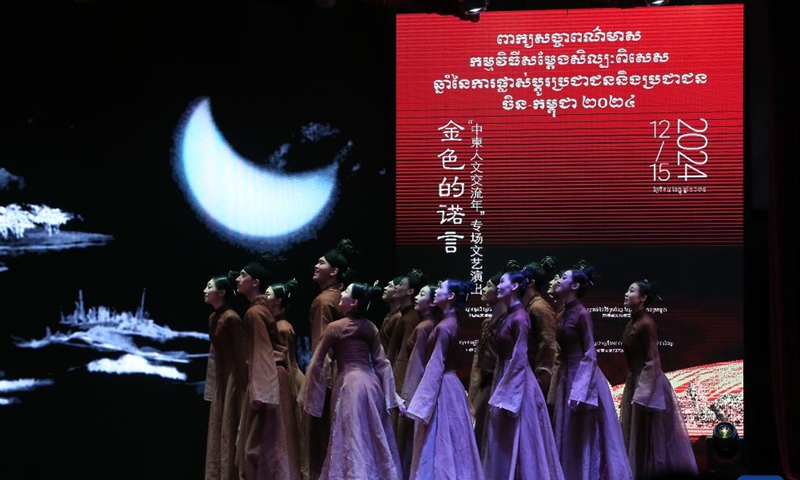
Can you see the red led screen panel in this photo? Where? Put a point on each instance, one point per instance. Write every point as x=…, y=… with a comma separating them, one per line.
x=613, y=135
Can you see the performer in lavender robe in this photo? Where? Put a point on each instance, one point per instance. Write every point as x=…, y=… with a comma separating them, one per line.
x=362, y=444
x=652, y=424
x=265, y=449
x=330, y=272
x=430, y=315
x=587, y=429
x=519, y=442
x=484, y=359
x=226, y=379
x=444, y=443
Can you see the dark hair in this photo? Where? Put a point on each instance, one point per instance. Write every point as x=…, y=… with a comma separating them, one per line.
x=521, y=277
x=649, y=289
x=582, y=274
x=284, y=291
x=543, y=271
x=365, y=294
x=461, y=289
x=259, y=272
x=227, y=284
x=495, y=279
x=339, y=257
x=416, y=279
x=512, y=265
x=396, y=280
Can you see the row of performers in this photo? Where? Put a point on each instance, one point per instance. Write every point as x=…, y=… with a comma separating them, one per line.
x=387, y=404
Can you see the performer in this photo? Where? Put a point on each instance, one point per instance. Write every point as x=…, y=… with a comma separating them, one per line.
x=587, y=430
x=429, y=315
x=362, y=443
x=226, y=378
x=399, y=351
x=543, y=346
x=519, y=440
x=444, y=443
x=279, y=298
x=392, y=316
x=331, y=270
x=652, y=424
x=266, y=449
x=485, y=358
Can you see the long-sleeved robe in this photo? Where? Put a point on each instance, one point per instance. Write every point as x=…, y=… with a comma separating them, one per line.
x=518, y=442
x=416, y=345
x=226, y=381
x=543, y=346
x=324, y=310
x=444, y=443
x=362, y=444
x=588, y=435
x=484, y=360
x=268, y=443
x=652, y=424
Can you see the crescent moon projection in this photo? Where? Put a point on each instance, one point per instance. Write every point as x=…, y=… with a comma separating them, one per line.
x=248, y=204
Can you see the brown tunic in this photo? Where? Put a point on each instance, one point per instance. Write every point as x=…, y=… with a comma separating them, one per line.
x=324, y=310
x=268, y=445
x=542, y=344
x=385, y=332
x=226, y=381
x=481, y=376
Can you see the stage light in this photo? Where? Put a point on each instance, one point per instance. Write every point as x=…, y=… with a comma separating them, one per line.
x=726, y=440
x=472, y=7
x=656, y=3
x=725, y=450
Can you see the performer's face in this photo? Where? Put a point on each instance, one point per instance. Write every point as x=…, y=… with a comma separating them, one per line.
x=442, y=295
x=272, y=299
x=245, y=283
x=565, y=284
x=551, y=287
x=347, y=302
x=489, y=293
x=389, y=291
x=211, y=293
x=403, y=289
x=422, y=302
x=323, y=271
x=506, y=287
x=633, y=298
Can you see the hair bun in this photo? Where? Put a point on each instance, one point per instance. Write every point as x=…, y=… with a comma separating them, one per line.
x=346, y=247
x=512, y=265
x=550, y=264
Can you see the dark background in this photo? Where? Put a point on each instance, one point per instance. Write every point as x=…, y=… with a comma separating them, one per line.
x=93, y=93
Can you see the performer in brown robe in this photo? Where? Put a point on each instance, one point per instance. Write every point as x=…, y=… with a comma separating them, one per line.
x=330, y=272
x=399, y=353
x=542, y=344
x=279, y=296
x=392, y=316
x=265, y=450
x=226, y=379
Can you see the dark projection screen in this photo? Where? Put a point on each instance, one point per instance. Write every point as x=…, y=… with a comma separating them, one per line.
x=610, y=135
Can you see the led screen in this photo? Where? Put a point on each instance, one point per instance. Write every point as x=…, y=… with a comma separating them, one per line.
x=613, y=136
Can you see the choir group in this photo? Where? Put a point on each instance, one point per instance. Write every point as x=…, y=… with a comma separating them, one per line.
x=387, y=404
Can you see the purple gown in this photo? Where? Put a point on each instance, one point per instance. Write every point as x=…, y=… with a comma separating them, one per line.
x=444, y=443
x=519, y=443
x=416, y=344
x=589, y=437
x=362, y=443
x=652, y=424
